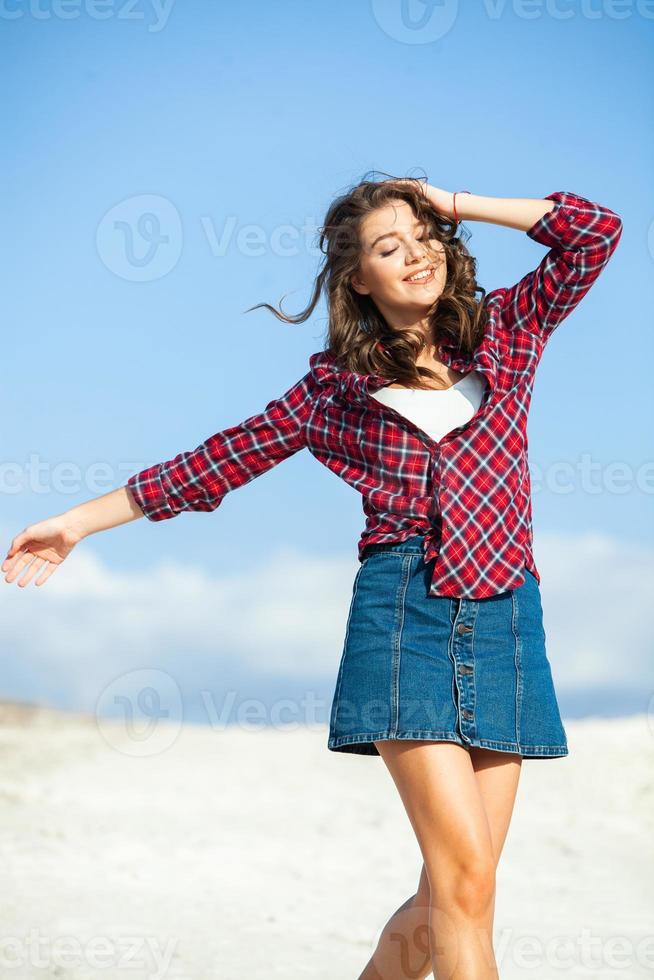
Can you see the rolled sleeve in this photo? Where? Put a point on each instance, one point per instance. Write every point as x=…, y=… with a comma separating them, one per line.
x=581, y=236
x=200, y=479
x=147, y=488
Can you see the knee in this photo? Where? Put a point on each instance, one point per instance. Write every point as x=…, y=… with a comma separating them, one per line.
x=470, y=887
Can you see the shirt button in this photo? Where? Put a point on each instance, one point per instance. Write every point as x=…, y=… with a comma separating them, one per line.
x=462, y=628
x=467, y=714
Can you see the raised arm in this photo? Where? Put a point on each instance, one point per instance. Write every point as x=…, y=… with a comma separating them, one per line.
x=194, y=480
x=581, y=236
x=513, y=212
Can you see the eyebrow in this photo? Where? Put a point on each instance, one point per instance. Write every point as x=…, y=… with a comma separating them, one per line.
x=392, y=234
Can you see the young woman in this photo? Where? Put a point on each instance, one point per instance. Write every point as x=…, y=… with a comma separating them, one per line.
x=419, y=401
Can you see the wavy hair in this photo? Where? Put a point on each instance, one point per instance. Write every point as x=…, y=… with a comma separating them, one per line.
x=357, y=333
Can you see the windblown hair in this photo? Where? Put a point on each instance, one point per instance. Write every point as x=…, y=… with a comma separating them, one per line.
x=358, y=335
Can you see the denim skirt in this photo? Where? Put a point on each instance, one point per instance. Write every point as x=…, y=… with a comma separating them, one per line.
x=437, y=668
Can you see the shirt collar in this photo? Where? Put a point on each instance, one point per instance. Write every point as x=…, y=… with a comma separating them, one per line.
x=357, y=387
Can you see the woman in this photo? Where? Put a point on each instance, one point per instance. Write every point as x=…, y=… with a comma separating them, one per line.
x=420, y=402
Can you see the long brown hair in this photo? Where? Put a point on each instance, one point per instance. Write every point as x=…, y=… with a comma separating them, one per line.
x=357, y=333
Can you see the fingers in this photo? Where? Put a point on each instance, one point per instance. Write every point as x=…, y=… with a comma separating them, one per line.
x=46, y=575
x=12, y=562
x=16, y=545
x=21, y=562
x=8, y=562
x=31, y=571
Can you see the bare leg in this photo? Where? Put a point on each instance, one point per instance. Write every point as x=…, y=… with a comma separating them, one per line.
x=404, y=949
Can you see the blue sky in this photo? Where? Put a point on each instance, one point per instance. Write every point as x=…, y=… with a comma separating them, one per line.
x=235, y=123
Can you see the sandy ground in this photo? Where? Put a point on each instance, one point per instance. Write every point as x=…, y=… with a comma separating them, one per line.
x=226, y=853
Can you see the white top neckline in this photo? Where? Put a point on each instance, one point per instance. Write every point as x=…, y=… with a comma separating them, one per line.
x=436, y=416
x=431, y=391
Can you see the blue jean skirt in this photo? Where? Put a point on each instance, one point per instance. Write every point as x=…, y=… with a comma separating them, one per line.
x=437, y=668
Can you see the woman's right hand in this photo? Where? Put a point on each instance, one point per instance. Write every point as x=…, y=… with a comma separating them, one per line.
x=50, y=541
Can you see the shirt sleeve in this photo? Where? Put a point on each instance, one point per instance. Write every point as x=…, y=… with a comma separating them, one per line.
x=200, y=478
x=581, y=236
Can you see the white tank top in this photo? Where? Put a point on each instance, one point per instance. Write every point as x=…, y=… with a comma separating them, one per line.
x=437, y=411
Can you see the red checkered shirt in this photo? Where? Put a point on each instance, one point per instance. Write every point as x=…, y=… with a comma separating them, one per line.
x=468, y=494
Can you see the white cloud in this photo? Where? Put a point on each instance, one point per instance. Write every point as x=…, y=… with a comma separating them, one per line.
x=286, y=614
x=597, y=595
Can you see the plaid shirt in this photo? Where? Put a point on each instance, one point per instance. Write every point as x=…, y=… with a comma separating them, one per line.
x=468, y=494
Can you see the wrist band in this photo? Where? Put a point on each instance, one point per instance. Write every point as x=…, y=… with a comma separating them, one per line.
x=456, y=218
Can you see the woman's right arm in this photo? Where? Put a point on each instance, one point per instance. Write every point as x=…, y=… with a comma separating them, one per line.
x=52, y=540
x=195, y=480
x=110, y=510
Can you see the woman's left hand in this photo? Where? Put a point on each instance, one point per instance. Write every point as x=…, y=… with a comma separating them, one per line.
x=440, y=199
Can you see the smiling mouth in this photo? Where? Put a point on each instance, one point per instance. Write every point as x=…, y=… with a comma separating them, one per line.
x=421, y=279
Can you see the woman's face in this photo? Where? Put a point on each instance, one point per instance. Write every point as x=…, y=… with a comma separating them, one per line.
x=394, y=247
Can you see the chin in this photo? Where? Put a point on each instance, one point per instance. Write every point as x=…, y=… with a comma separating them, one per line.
x=423, y=302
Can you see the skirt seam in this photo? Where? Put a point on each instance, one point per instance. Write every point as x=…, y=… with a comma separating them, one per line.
x=347, y=633
x=397, y=645
x=426, y=735
x=517, y=659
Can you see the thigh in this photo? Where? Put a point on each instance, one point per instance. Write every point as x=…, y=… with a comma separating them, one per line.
x=497, y=775
x=440, y=792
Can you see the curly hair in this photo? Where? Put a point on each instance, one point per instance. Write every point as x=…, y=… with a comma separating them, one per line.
x=357, y=333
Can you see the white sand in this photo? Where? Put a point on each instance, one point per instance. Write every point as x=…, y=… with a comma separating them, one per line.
x=238, y=854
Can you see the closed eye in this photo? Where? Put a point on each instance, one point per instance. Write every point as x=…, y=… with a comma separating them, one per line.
x=422, y=238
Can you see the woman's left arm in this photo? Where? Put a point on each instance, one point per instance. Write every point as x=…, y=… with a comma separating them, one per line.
x=513, y=212
x=581, y=236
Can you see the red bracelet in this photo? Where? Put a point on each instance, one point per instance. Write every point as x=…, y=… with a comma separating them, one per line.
x=454, y=203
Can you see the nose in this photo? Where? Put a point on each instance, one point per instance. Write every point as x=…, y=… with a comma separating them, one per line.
x=417, y=252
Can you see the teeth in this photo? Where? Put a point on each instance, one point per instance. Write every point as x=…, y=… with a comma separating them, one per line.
x=421, y=275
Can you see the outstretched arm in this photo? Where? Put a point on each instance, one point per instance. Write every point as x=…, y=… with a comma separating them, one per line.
x=199, y=479
x=194, y=480
x=49, y=542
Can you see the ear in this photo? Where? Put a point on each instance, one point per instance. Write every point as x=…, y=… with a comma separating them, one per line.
x=359, y=286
